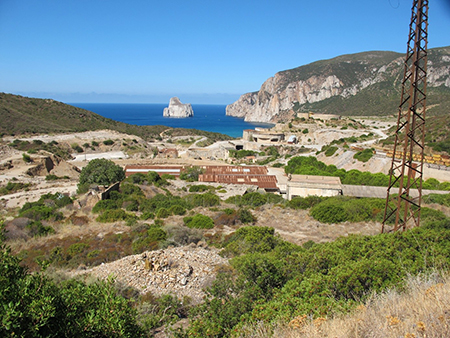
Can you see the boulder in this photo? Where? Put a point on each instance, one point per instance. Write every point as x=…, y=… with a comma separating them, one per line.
x=177, y=109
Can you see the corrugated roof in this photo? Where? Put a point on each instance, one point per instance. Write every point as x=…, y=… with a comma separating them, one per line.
x=262, y=181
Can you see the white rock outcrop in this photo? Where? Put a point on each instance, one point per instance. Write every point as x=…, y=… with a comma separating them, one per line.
x=177, y=109
x=281, y=96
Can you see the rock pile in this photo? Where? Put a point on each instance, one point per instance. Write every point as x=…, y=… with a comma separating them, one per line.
x=182, y=271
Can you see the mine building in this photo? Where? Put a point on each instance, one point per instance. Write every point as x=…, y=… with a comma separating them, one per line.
x=308, y=185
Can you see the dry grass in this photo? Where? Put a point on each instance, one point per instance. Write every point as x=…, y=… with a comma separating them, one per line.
x=421, y=310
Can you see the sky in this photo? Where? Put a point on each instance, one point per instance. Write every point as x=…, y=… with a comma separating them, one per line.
x=146, y=51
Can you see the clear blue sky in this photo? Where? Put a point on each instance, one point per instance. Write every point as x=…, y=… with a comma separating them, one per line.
x=201, y=51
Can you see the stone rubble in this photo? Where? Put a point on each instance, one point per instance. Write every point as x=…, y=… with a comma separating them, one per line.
x=182, y=271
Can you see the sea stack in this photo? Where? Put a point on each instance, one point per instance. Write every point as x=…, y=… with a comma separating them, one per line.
x=178, y=109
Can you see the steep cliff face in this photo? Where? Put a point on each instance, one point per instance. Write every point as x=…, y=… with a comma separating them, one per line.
x=358, y=84
x=178, y=109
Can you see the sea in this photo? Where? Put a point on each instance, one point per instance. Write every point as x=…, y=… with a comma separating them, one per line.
x=206, y=117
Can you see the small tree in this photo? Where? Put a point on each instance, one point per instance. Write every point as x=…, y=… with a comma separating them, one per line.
x=100, y=171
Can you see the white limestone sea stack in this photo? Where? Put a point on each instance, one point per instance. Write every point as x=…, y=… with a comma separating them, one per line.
x=177, y=109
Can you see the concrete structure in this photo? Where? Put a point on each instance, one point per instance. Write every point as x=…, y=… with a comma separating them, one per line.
x=209, y=153
x=381, y=192
x=168, y=153
x=262, y=136
x=307, y=185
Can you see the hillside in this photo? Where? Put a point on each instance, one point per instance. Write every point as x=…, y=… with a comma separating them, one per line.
x=356, y=84
x=23, y=115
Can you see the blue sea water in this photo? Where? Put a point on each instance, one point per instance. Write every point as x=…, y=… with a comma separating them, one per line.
x=206, y=117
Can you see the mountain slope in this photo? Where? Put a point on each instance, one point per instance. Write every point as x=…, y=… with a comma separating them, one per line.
x=23, y=115
x=356, y=84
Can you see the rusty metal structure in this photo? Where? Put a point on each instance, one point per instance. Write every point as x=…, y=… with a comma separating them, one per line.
x=404, y=193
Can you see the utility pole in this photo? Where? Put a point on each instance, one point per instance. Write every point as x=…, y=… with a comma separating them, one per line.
x=404, y=194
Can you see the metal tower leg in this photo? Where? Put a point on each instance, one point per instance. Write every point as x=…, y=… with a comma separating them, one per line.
x=404, y=193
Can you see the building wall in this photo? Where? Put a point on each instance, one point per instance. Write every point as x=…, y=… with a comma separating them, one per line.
x=292, y=191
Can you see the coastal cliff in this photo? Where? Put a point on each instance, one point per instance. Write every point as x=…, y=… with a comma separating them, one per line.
x=177, y=109
x=358, y=84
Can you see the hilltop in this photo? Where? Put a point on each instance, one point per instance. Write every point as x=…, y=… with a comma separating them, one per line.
x=24, y=115
x=362, y=84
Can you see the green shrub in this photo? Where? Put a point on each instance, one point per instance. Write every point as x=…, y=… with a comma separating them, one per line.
x=199, y=221
x=340, y=209
x=114, y=215
x=36, y=229
x=130, y=189
x=131, y=205
x=255, y=199
x=147, y=215
x=26, y=158
x=245, y=216
x=364, y=155
x=163, y=213
x=198, y=188
x=41, y=212
x=330, y=151
x=108, y=142
x=437, y=198
x=77, y=249
x=304, y=202
x=177, y=210
x=157, y=234
x=207, y=199
x=38, y=307
x=149, y=240
x=103, y=205
x=329, y=213
x=77, y=148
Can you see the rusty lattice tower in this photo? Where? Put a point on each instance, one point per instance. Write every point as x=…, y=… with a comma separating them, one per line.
x=405, y=184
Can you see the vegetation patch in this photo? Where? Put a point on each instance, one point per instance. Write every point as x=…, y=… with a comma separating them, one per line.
x=364, y=155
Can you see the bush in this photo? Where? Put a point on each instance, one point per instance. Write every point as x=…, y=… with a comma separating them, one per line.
x=36, y=229
x=163, y=213
x=245, y=216
x=114, y=215
x=207, y=199
x=364, y=155
x=130, y=189
x=77, y=148
x=199, y=221
x=340, y=209
x=35, y=306
x=177, y=210
x=103, y=205
x=329, y=213
x=40, y=212
x=26, y=158
x=330, y=151
x=147, y=215
x=198, y=188
x=108, y=142
x=304, y=202
x=255, y=199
